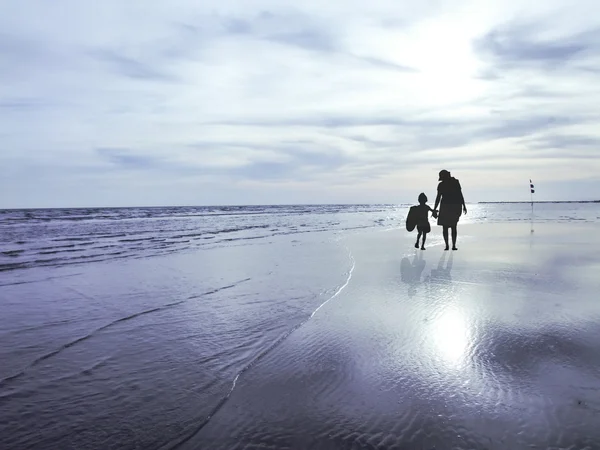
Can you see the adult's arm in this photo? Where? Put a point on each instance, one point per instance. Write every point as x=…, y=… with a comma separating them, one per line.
x=438, y=198
x=462, y=198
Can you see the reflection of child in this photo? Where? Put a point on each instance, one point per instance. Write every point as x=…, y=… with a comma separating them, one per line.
x=411, y=273
x=423, y=226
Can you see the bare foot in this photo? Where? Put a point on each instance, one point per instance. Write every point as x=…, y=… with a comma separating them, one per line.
x=447, y=248
x=454, y=248
x=417, y=245
x=423, y=248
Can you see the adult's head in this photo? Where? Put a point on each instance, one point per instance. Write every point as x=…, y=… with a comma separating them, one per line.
x=444, y=175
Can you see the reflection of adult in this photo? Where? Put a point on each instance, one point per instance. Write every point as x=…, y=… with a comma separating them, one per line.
x=440, y=278
x=441, y=274
x=452, y=205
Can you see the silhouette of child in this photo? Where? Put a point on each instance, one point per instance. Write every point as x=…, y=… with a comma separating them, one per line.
x=423, y=226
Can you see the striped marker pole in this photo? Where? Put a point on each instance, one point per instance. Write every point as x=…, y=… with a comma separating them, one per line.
x=532, y=191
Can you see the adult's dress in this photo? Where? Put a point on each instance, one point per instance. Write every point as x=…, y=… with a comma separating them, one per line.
x=451, y=202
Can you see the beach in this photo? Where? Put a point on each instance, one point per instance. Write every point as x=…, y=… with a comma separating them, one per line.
x=327, y=339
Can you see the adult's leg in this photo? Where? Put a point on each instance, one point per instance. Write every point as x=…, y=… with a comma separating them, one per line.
x=445, y=233
x=454, y=235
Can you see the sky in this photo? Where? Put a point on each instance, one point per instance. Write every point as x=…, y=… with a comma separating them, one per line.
x=135, y=103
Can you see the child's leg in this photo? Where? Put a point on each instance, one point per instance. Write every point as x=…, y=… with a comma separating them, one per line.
x=423, y=243
x=418, y=237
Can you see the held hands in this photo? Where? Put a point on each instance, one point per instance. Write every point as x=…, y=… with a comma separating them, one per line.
x=434, y=213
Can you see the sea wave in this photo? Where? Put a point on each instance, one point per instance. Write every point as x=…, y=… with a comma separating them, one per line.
x=58, y=237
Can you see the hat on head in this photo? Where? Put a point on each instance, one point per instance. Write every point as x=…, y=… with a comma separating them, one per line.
x=444, y=174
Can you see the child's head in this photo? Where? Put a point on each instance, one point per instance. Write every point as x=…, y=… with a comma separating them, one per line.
x=422, y=198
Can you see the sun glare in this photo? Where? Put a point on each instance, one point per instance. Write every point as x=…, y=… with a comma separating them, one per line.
x=451, y=337
x=443, y=55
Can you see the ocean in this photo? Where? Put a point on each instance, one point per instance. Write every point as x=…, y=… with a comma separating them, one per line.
x=133, y=328
x=60, y=237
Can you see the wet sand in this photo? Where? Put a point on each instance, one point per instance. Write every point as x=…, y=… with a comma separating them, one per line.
x=136, y=353
x=495, y=346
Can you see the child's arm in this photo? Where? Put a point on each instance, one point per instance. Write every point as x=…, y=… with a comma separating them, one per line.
x=433, y=212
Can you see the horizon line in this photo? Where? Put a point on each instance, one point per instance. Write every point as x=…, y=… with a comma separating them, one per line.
x=284, y=204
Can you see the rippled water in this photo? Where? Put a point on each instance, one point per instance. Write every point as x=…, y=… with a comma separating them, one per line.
x=57, y=237
x=169, y=327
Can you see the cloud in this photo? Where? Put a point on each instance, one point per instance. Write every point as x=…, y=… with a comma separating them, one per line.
x=519, y=127
x=277, y=100
x=20, y=104
x=20, y=55
x=590, y=144
x=298, y=165
x=516, y=45
x=127, y=159
x=131, y=67
x=307, y=39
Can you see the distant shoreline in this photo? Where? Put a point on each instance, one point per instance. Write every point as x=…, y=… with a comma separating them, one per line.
x=275, y=205
x=549, y=201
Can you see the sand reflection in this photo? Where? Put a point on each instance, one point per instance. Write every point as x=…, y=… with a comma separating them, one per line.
x=449, y=332
x=451, y=337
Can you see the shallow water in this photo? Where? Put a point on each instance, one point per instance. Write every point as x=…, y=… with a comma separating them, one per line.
x=60, y=237
x=316, y=315
x=137, y=353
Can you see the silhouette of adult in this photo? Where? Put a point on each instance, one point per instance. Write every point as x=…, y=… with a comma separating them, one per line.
x=452, y=205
